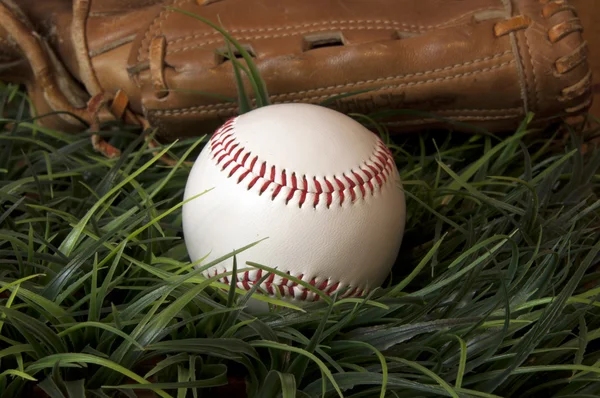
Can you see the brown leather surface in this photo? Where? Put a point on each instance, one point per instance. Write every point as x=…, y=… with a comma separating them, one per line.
x=589, y=14
x=485, y=62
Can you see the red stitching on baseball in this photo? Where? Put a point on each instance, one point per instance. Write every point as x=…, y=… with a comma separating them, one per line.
x=227, y=163
x=290, y=196
x=218, y=152
x=263, y=169
x=246, y=156
x=361, y=183
x=253, y=182
x=304, y=295
x=352, y=185
x=231, y=139
x=329, y=193
x=318, y=193
x=232, y=172
x=333, y=288
x=246, y=280
x=302, y=198
x=304, y=191
x=231, y=148
x=373, y=169
x=378, y=168
x=222, y=139
x=264, y=187
x=244, y=174
x=237, y=155
x=276, y=192
x=288, y=288
x=253, y=163
x=382, y=159
x=269, y=283
x=341, y=191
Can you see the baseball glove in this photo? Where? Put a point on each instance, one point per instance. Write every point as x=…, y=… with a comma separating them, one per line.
x=485, y=62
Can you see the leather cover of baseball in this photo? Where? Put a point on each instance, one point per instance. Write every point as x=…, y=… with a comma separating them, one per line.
x=321, y=188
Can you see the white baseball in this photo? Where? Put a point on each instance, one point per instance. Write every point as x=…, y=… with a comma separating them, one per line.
x=322, y=189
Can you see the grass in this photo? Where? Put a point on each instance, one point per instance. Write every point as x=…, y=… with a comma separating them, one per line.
x=494, y=293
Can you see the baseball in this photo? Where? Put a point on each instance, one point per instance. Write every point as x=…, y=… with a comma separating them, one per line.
x=321, y=188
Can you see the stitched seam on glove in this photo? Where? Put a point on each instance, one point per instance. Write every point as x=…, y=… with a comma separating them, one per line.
x=163, y=16
x=367, y=178
x=333, y=25
x=536, y=89
x=276, y=36
x=516, y=50
x=458, y=118
x=370, y=81
x=160, y=18
x=153, y=30
x=226, y=106
x=520, y=67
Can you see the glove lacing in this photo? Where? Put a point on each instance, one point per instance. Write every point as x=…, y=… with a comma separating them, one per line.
x=60, y=96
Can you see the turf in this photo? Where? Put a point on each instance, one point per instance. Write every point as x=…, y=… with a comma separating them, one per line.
x=494, y=293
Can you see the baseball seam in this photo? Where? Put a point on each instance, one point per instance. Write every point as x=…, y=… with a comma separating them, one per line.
x=287, y=288
x=357, y=183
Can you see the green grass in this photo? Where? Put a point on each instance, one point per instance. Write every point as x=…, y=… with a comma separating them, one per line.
x=494, y=293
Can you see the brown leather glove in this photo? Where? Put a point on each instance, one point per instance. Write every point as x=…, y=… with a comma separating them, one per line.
x=589, y=13
x=485, y=62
